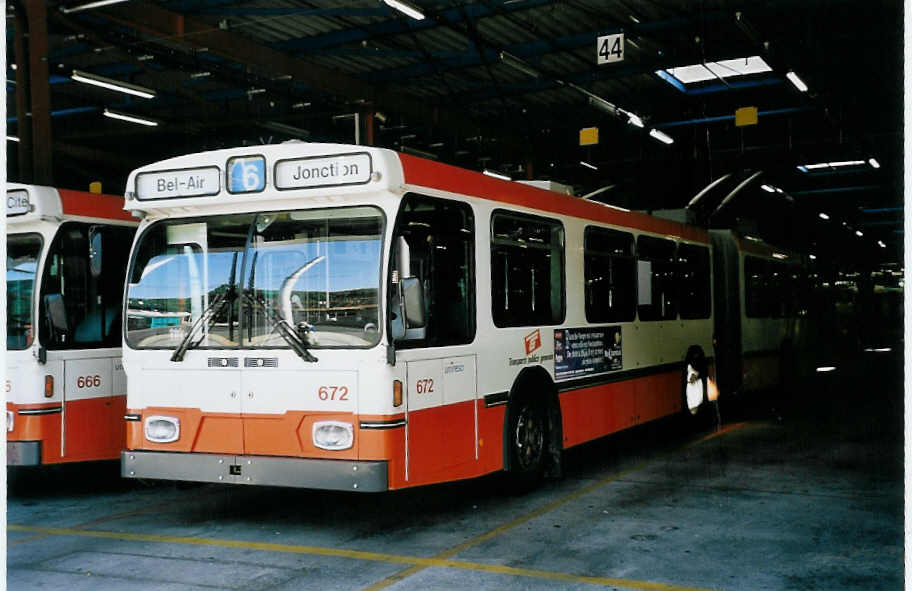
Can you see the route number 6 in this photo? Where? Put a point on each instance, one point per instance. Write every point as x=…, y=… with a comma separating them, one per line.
x=251, y=177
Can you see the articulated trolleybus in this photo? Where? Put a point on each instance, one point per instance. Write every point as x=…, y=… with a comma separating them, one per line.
x=344, y=317
x=66, y=258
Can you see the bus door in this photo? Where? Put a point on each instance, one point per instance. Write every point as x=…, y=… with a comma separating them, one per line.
x=80, y=324
x=434, y=241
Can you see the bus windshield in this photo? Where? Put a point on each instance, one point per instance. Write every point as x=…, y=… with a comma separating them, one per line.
x=22, y=252
x=258, y=281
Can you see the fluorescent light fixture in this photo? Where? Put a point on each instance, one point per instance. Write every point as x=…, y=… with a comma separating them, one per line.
x=12, y=138
x=201, y=74
x=798, y=82
x=768, y=188
x=112, y=84
x=823, y=216
x=874, y=163
x=662, y=137
x=405, y=8
x=88, y=5
x=256, y=91
x=145, y=58
x=744, y=66
x=826, y=369
x=780, y=256
x=883, y=350
x=497, y=175
x=632, y=118
x=130, y=118
x=881, y=244
x=859, y=233
x=813, y=257
x=752, y=238
x=587, y=165
x=837, y=164
x=518, y=64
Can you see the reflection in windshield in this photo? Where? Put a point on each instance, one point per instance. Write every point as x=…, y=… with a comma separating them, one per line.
x=22, y=251
x=317, y=271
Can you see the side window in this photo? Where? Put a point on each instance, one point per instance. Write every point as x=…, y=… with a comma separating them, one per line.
x=440, y=235
x=693, y=281
x=85, y=270
x=657, y=296
x=756, y=287
x=527, y=270
x=610, y=275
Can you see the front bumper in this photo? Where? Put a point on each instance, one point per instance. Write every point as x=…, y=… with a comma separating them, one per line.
x=23, y=453
x=258, y=470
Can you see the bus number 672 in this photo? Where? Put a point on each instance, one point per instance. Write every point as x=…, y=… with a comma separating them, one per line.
x=333, y=393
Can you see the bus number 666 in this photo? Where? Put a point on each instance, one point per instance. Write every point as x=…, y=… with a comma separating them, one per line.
x=88, y=381
x=333, y=393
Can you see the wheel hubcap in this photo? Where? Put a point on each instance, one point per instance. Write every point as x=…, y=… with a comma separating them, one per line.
x=529, y=438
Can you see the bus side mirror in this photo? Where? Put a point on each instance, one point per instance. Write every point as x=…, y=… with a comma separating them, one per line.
x=413, y=302
x=55, y=310
x=95, y=252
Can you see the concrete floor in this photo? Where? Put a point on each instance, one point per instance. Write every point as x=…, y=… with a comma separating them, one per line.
x=804, y=493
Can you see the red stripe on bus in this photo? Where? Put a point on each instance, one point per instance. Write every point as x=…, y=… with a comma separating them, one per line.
x=436, y=175
x=93, y=205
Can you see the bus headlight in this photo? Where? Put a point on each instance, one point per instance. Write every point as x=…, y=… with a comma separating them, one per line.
x=333, y=435
x=10, y=420
x=162, y=429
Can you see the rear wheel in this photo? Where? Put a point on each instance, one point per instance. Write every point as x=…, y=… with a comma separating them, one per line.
x=694, y=387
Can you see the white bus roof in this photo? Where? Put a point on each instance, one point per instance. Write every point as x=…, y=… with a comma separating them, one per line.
x=268, y=177
x=29, y=203
x=292, y=170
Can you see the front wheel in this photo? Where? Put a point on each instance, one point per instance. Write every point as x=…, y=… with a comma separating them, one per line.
x=528, y=429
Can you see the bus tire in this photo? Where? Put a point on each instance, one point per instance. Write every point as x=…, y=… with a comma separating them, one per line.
x=693, y=384
x=527, y=440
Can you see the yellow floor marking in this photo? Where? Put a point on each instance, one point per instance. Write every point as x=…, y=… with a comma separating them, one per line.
x=358, y=555
x=416, y=563
x=394, y=578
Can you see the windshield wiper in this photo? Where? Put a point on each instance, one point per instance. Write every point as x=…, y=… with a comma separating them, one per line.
x=283, y=327
x=205, y=319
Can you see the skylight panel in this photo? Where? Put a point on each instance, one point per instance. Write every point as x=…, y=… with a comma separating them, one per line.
x=744, y=66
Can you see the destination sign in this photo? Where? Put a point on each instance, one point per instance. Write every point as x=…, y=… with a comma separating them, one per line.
x=17, y=202
x=166, y=184
x=323, y=171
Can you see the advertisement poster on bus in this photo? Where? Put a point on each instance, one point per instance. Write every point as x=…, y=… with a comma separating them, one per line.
x=583, y=351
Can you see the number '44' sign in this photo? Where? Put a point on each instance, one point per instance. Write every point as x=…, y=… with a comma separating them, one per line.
x=610, y=48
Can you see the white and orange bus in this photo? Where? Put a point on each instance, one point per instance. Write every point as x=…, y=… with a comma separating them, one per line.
x=66, y=258
x=346, y=317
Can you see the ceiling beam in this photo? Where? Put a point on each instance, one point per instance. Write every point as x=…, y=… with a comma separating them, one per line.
x=175, y=28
